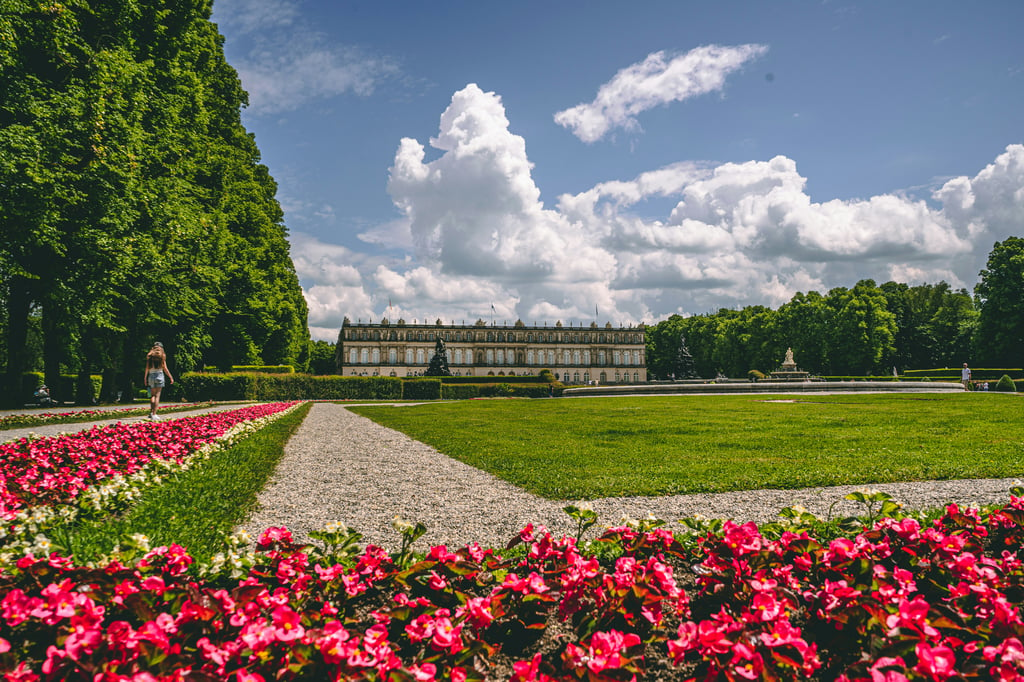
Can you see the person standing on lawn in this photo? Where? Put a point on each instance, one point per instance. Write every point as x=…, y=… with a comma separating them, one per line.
x=156, y=374
x=965, y=377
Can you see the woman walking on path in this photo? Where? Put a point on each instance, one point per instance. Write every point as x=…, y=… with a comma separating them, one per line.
x=156, y=371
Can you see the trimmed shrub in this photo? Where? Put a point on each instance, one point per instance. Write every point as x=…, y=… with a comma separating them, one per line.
x=264, y=369
x=953, y=373
x=421, y=389
x=525, y=379
x=460, y=391
x=1006, y=384
x=252, y=386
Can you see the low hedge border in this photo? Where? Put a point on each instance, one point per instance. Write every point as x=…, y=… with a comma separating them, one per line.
x=254, y=386
x=953, y=373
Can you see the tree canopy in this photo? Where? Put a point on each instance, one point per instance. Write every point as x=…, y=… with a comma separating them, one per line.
x=133, y=205
x=1001, y=300
x=864, y=330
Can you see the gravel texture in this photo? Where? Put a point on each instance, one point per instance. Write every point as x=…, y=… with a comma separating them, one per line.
x=342, y=467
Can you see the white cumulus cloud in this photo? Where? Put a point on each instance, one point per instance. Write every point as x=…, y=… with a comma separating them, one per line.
x=474, y=233
x=659, y=79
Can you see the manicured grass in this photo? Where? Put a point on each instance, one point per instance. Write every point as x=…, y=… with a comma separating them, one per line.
x=585, y=448
x=199, y=507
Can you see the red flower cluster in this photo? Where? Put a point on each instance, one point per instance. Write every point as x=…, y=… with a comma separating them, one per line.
x=448, y=616
x=28, y=419
x=897, y=602
x=54, y=471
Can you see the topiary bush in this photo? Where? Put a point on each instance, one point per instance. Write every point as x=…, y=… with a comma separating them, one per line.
x=1006, y=384
x=460, y=391
x=421, y=389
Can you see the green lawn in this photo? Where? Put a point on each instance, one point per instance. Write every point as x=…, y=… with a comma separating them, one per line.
x=585, y=448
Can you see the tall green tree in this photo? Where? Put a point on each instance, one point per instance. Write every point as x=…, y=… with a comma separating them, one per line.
x=132, y=202
x=1000, y=335
x=863, y=330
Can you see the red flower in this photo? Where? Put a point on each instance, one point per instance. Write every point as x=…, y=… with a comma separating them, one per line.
x=938, y=663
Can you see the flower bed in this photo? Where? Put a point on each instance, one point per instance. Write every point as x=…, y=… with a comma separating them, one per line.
x=14, y=421
x=898, y=601
x=46, y=481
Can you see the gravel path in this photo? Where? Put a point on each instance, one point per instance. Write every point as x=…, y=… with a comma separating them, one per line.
x=342, y=467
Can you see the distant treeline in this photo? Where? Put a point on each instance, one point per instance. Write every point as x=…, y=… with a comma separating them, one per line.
x=133, y=204
x=866, y=330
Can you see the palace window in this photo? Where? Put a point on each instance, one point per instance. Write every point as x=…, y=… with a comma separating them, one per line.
x=364, y=355
x=376, y=356
x=586, y=357
x=500, y=356
x=529, y=357
x=353, y=356
x=551, y=357
x=408, y=356
x=392, y=356
x=420, y=357
x=575, y=357
x=616, y=358
x=457, y=356
x=601, y=358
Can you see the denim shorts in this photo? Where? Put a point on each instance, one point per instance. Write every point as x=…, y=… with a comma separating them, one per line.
x=155, y=379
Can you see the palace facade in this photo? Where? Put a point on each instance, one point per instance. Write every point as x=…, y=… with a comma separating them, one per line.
x=576, y=355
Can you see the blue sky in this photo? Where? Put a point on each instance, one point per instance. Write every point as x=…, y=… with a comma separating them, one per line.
x=554, y=159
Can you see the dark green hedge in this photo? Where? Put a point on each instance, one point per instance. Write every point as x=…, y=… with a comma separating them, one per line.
x=528, y=379
x=264, y=369
x=66, y=391
x=953, y=373
x=469, y=391
x=252, y=386
x=422, y=389
x=460, y=391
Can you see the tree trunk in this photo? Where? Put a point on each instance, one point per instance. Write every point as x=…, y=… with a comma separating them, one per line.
x=19, y=302
x=52, y=347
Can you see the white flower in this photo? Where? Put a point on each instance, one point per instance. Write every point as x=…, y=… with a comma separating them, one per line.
x=401, y=525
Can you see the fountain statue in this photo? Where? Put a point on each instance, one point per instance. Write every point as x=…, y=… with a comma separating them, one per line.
x=439, y=362
x=789, y=371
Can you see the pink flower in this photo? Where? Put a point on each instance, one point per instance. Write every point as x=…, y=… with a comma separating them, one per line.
x=744, y=539
x=527, y=671
x=938, y=663
x=606, y=650
x=272, y=536
x=446, y=635
x=479, y=611
x=913, y=614
x=746, y=662
x=883, y=670
x=421, y=628
x=437, y=581
x=424, y=672
x=287, y=624
x=765, y=607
